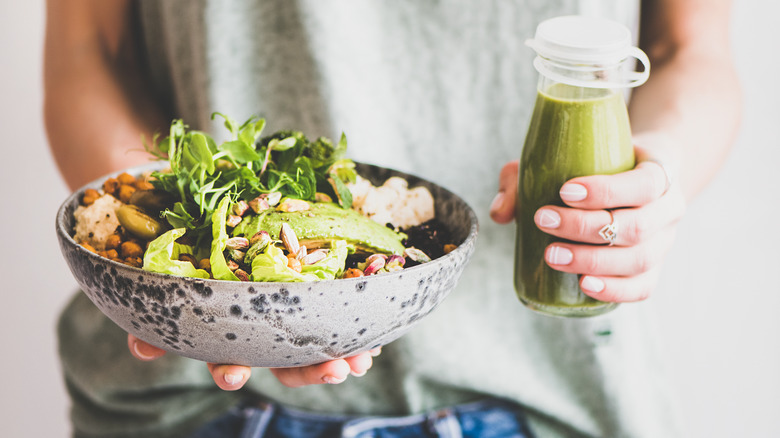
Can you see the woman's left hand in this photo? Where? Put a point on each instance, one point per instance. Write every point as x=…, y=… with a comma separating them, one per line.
x=643, y=203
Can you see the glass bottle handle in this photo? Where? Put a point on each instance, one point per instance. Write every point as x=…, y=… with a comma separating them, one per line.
x=631, y=79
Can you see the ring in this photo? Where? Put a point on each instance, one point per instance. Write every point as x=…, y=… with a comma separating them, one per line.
x=667, y=175
x=609, y=232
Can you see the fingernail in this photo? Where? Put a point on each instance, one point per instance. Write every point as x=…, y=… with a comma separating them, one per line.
x=233, y=379
x=358, y=374
x=592, y=284
x=548, y=218
x=573, y=192
x=558, y=255
x=332, y=380
x=498, y=202
x=140, y=354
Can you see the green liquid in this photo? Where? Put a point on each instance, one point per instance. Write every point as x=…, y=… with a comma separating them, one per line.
x=573, y=132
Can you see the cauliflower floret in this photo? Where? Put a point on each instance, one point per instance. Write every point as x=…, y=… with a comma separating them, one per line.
x=97, y=221
x=393, y=202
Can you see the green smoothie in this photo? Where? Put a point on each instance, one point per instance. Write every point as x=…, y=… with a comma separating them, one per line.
x=573, y=132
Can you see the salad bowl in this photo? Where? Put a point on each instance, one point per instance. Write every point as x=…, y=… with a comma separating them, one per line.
x=271, y=324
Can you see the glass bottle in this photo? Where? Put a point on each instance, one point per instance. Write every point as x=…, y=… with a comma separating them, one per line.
x=579, y=127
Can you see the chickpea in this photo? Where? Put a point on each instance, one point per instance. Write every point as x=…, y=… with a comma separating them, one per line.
x=125, y=178
x=205, y=264
x=113, y=241
x=448, y=248
x=131, y=249
x=88, y=247
x=125, y=192
x=143, y=185
x=90, y=196
x=352, y=273
x=110, y=186
x=112, y=254
x=293, y=263
x=134, y=261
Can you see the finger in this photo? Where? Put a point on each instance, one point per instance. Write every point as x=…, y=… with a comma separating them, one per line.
x=502, y=209
x=143, y=351
x=609, y=261
x=360, y=363
x=621, y=289
x=229, y=377
x=634, y=225
x=634, y=188
x=332, y=372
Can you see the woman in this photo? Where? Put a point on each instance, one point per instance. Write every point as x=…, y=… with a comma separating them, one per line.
x=410, y=83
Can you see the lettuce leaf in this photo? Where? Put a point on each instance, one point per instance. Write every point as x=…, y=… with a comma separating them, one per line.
x=163, y=253
x=219, y=267
x=271, y=265
x=332, y=265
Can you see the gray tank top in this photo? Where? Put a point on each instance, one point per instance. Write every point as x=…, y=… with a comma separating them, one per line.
x=442, y=89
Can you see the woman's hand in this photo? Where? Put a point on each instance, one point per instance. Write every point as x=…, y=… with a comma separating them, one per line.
x=645, y=205
x=233, y=377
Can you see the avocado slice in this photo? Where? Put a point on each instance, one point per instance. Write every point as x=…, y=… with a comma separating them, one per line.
x=323, y=222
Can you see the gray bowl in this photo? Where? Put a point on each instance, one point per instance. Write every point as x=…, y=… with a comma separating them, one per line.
x=271, y=324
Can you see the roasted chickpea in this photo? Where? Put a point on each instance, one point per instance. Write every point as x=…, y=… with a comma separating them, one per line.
x=113, y=241
x=352, y=273
x=293, y=263
x=125, y=193
x=110, y=186
x=143, y=185
x=131, y=249
x=134, y=261
x=125, y=178
x=90, y=196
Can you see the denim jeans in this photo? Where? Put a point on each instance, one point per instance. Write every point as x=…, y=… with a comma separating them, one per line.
x=484, y=419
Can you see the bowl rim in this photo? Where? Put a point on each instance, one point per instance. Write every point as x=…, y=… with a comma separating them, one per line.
x=66, y=237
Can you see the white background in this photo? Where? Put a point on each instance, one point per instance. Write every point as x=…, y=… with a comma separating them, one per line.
x=719, y=298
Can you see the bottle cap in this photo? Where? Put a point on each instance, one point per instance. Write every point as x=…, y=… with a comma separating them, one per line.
x=583, y=43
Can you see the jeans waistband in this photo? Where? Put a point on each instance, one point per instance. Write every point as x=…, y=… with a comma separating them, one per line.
x=269, y=420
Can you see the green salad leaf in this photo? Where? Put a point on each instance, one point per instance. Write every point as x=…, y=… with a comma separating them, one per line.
x=163, y=253
x=271, y=265
x=203, y=173
x=219, y=267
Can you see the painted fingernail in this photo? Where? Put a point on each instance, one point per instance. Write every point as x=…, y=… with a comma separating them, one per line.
x=547, y=218
x=332, y=380
x=592, y=284
x=573, y=192
x=139, y=354
x=498, y=202
x=233, y=379
x=558, y=255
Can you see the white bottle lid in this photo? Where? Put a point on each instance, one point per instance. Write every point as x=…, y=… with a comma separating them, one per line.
x=588, y=43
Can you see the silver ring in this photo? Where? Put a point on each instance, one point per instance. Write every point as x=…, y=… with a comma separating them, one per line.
x=609, y=232
x=667, y=175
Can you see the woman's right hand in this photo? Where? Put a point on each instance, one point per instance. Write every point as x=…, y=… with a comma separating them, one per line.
x=233, y=377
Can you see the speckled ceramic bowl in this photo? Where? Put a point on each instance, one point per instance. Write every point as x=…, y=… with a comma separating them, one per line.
x=271, y=324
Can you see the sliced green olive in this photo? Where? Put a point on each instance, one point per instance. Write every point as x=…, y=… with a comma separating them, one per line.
x=138, y=223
